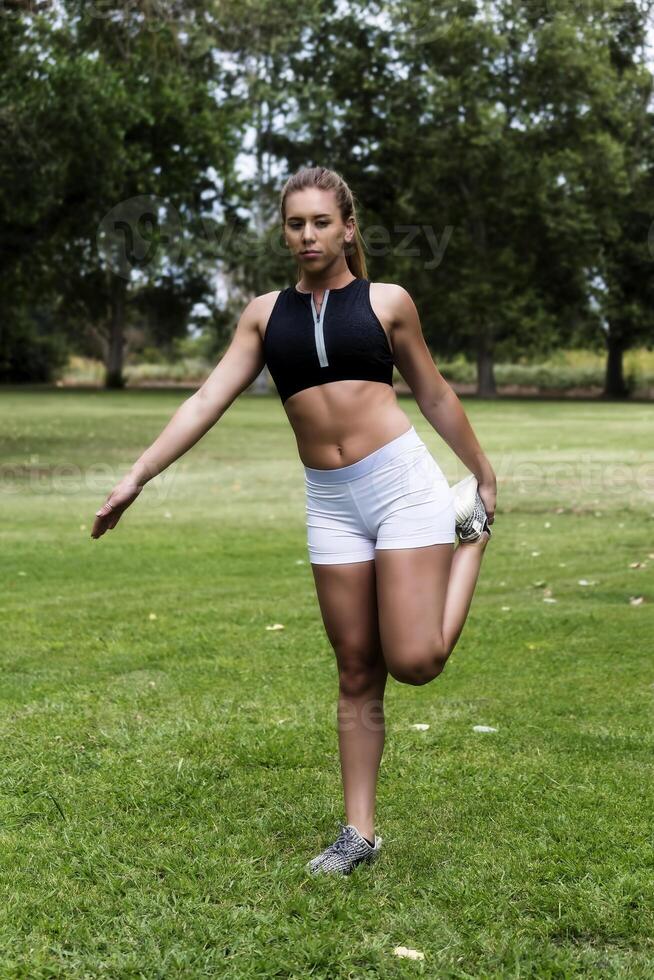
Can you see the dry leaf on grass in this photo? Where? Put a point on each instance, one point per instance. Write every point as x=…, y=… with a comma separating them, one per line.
x=411, y=954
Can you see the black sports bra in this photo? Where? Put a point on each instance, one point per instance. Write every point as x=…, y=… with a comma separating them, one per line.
x=304, y=348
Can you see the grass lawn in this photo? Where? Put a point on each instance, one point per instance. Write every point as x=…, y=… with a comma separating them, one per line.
x=170, y=763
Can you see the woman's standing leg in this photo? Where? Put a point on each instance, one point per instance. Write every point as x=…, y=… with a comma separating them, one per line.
x=348, y=603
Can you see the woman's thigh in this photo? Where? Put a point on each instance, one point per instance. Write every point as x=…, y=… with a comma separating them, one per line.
x=347, y=596
x=411, y=590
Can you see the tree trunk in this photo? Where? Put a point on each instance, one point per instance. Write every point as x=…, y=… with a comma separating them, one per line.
x=477, y=229
x=485, y=375
x=114, y=367
x=614, y=383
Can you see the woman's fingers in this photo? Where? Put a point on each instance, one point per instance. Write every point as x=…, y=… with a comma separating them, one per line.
x=489, y=500
x=110, y=513
x=104, y=520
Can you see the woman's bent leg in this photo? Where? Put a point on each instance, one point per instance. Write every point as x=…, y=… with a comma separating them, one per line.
x=424, y=596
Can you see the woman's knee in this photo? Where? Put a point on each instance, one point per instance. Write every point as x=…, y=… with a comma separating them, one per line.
x=419, y=669
x=360, y=673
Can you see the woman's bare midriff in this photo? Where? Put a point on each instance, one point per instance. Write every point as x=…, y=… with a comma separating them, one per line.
x=338, y=423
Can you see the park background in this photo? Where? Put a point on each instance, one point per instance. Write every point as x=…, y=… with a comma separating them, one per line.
x=501, y=156
x=167, y=693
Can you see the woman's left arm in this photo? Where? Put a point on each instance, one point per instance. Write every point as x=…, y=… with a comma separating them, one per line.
x=437, y=401
x=447, y=416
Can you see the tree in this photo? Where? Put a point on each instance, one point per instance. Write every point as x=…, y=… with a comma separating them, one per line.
x=118, y=134
x=626, y=248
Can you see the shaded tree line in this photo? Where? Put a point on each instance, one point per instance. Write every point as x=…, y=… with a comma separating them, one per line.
x=501, y=154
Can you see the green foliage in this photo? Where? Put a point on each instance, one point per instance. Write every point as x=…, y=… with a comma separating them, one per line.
x=30, y=349
x=99, y=109
x=526, y=144
x=500, y=157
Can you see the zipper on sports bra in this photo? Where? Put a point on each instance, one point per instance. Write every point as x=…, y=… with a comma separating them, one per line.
x=318, y=331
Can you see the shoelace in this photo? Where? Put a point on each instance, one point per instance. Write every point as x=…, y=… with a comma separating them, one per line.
x=341, y=844
x=478, y=515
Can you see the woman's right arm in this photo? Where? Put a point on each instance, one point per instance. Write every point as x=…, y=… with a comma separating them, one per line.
x=241, y=363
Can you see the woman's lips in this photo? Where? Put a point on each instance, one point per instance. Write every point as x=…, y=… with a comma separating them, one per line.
x=310, y=255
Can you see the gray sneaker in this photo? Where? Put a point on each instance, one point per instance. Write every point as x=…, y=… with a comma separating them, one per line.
x=348, y=850
x=471, y=518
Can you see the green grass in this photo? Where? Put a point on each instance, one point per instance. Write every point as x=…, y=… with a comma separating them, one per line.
x=164, y=780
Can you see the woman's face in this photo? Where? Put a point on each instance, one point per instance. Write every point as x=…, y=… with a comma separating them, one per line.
x=313, y=228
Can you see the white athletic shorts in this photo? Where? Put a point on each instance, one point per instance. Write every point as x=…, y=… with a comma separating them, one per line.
x=396, y=497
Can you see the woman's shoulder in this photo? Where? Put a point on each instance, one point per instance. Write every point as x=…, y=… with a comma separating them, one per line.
x=391, y=303
x=390, y=293
x=271, y=295
x=261, y=307
x=264, y=302
x=389, y=287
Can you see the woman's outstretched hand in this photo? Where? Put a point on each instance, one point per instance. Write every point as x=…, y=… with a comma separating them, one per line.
x=122, y=495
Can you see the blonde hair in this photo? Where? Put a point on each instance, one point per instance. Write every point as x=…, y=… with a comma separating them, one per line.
x=330, y=180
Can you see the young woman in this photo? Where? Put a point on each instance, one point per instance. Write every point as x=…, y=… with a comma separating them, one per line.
x=382, y=520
